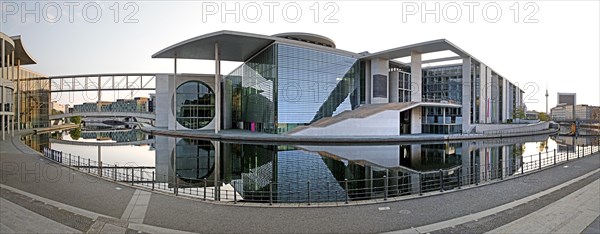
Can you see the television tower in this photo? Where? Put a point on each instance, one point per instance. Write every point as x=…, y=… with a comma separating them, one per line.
x=546, y=99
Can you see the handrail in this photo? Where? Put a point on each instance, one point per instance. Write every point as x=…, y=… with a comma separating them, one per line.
x=306, y=191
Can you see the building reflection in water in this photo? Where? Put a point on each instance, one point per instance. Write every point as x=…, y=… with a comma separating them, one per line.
x=252, y=167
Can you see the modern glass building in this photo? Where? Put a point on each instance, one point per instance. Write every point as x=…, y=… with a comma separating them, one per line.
x=300, y=83
x=24, y=94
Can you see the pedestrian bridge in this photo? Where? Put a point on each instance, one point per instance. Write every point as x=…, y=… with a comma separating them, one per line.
x=141, y=115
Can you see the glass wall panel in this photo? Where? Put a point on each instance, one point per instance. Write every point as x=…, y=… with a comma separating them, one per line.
x=195, y=104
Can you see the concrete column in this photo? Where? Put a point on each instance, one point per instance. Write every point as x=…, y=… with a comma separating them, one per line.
x=482, y=93
x=415, y=120
x=3, y=90
x=217, y=89
x=488, y=94
x=368, y=81
x=505, y=101
x=380, y=81
x=19, y=94
x=416, y=76
x=466, y=95
x=394, y=76
x=174, y=105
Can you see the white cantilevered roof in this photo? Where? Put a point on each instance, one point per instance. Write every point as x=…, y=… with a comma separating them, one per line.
x=233, y=46
x=423, y=48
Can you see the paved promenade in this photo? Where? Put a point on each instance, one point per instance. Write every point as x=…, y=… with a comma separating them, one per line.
x=51, y=198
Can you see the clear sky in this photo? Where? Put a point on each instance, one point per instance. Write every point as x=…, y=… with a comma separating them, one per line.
x=552, y=43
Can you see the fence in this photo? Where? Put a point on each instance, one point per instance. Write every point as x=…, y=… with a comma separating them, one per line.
x=343, y=191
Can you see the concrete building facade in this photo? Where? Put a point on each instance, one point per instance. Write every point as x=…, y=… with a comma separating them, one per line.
x=300, y=83
x=24, y=94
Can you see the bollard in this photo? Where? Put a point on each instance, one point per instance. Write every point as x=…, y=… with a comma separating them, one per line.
x=385, y=188
x=346, y=185
x=554, y=156
x=152, y=180
x=270, y=193
x=234, y=193
x=441, y=180
x=204, y=189
x=308, y=183
x=540, y=160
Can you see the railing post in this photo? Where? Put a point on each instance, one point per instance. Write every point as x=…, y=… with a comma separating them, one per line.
x=420, y=184
x=441, y=180
x=141, y=174
x=347, y=192
x=308, y=183
x=540, y=160
x=577, y=148
x=115, y=172
x=69, y=160
x=176, y=190
x=204, y=190
x=567, y=153
x=89, y=165
x=78, y=162
x=132, y=176
x=270, y=193
x=152, y=180
x=234, y=193
x=554, y=156
x=459, y=177
x=477, y=174
x=385, y=188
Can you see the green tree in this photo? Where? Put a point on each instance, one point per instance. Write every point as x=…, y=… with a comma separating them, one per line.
x=75, y=133
x=75, y=119
x=544, y=117
x=519, y=113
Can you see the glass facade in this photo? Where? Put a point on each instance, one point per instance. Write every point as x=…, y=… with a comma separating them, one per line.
x=286, y=86
x=404, y=87
x=442, y=120
x=195, y=104
x=443, y=84
x=35, y=100
x=475, y=92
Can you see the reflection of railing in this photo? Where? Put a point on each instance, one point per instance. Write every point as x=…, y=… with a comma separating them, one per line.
x=334, y=192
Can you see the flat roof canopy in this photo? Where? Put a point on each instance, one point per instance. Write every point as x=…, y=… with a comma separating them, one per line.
x=233, y=46
x=423, y=48
x=21, y=52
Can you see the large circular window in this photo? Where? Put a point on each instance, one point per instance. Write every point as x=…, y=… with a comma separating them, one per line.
x=195, y=104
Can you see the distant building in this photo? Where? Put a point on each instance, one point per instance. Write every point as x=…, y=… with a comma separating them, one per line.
x=532, y=115
x=138, y=104
x=57, y=107
x=566, y=99
x=565, y=112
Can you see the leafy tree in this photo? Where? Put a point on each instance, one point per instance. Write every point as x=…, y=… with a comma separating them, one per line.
x=75, y=119
x=544, y=117
x=75, y=133
x=519, y=113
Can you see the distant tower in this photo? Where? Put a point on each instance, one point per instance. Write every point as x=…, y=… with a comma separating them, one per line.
x=546, y=99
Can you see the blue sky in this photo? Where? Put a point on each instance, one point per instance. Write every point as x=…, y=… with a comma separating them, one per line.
x=561, y=50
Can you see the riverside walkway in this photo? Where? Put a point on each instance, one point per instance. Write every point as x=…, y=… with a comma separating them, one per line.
x=53, y=198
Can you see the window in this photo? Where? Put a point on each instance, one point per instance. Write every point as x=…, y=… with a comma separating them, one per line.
x=195, y=104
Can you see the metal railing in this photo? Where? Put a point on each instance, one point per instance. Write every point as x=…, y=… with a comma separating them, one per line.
x=340, y=192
